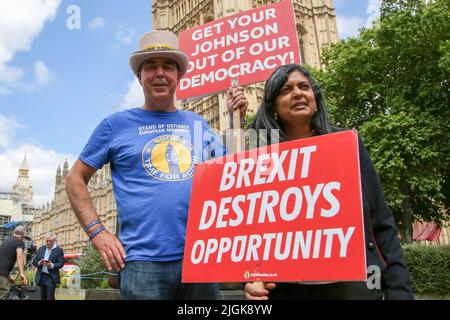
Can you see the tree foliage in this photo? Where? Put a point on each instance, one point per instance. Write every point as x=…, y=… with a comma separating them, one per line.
x=90, y=263
x=392, y=84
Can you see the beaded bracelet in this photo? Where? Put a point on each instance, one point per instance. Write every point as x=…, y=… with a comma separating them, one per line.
x=96, y=232
x=90, y=225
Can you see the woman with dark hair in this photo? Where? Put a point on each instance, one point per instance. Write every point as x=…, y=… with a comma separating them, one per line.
x=293, y=104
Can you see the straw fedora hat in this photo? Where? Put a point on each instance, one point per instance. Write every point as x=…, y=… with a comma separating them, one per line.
x=159, y=44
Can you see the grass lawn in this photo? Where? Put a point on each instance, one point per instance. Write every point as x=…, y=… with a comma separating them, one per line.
x=66, y=297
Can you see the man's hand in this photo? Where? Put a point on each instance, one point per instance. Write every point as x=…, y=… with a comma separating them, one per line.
x=236, y=99
x=252, y=292
x=24, y=280
x=111, y=250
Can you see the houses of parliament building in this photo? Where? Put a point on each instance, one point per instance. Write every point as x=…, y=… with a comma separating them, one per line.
x=59, y=218
x=316, y=27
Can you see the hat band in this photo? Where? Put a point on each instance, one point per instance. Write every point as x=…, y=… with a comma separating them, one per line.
x=158, y=47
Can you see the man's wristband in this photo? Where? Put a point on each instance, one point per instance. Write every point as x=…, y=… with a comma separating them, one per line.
x=90, y=225
x=96, y=232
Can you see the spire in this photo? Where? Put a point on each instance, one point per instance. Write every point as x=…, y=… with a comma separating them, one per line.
x=65, y=169
x=24, y=163
x=58, y=176
x=23, y=171
x=22, y=189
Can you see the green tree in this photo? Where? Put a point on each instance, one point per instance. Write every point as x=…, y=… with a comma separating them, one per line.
x=392, y=84
x=91, y=262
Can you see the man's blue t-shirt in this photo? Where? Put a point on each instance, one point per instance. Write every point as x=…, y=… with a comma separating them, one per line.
x=152, y=156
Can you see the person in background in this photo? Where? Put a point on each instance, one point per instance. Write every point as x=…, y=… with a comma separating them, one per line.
x=49, y=259
x=11, y=251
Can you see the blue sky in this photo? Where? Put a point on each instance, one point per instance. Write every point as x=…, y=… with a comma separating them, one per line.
x=58, y=81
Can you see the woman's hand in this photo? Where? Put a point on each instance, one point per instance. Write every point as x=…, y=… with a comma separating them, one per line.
x=254, y=292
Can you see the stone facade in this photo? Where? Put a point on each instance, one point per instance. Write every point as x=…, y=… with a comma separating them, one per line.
x=22, y=190
x=17, y=204
x=59, y=217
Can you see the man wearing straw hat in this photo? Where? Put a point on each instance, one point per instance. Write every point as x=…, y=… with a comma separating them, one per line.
x=152, y=151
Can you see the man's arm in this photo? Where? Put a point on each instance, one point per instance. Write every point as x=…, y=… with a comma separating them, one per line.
x=36, y=260
x=109, y=247
x=76, y=186
x=59, y=263
x=21, y=265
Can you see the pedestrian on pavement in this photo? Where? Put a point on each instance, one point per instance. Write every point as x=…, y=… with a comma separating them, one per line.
x=49, y=259
x=11, y=251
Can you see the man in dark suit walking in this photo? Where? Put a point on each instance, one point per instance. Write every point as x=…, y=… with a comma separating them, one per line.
x=49, y=259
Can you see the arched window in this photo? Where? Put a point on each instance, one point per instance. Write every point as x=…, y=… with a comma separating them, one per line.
x=302, y=52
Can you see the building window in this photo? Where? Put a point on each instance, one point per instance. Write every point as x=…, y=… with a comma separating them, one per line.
x=302, y=52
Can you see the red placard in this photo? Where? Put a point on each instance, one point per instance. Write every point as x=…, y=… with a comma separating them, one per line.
x=248, y=45
x=286, y=212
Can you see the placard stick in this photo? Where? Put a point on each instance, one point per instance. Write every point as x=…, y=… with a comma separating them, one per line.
x=238, y=133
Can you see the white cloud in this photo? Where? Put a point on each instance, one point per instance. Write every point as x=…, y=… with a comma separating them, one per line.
x=41, y=73
x=9, y=78
x=349, y=27
x=15, y=78
x=20, y=24
x=373, y=9
x=134, y=96
x=125, y=36
x=8, y=127
x=42, y=164
x=4, y=91
x=10, y=75
x=97, y=23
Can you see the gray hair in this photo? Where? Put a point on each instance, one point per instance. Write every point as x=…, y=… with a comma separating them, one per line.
x=19, y=231
x=50, y=235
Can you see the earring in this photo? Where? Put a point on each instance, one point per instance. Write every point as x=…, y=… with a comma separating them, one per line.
x=275, y=115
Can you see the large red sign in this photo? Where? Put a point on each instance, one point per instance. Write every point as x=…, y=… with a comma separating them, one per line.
x=247, y=46
x=286, y=212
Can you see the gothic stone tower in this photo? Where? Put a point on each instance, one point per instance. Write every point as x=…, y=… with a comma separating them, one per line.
x=316, y=26
x=58, y=216
x=22, y=189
